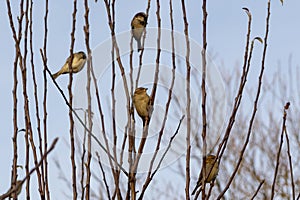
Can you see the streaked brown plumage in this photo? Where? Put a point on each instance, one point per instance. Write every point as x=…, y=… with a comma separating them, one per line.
x=79, y=60
x=17, y=190
x=138, y=25
x=141, y=102
x=212, y=175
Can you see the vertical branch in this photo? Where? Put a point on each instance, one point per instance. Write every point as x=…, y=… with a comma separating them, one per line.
x=148, y=180
x=44, y=57
x=238, y=98
x=29, y=131
x=243, y=81
x=86, y=30
x=188, y=103
x=115, y=139
x=255, y=107
x=131, y=126
x=23, y=67
x=122, y=71
x=72, y=156
x=290, y=159
x=104, y=177
x=115, y=168
x=256, y=192
x=82, y=186
x=35, y=88
x=150, y=174
x=107, y=148
x=153, y=92
x=15, y=97
x=121, y=68
x=283, y=128
x=142, y=51
x=203, y=92
x=152, y=98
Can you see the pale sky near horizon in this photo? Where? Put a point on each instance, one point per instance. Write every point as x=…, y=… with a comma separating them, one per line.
x=227, y=25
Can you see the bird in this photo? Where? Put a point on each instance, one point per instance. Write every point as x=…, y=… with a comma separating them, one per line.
x=79, y=60
x=211, y=171
x=141, y=101
x=13, y=190
x=138, y=25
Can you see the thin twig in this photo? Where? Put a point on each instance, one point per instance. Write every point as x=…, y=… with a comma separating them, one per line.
x=72, y=139
x=23, y=67
x=121, y=68
x=290, y=157
x=188, y=103
x=203, y=93
x=131, y=129
x=15, y=95
x=86, y=30
x=82, y=122
x=103, y=175
x=116, y=172
x=160, y=160
x=45, y=94
x=158, y=49
x=2, y=197
x=36, y=101
x=82, y=186
x=148, y=179
x=238, y=98
x=256, y=192
x=110, y=157
x=286, y=107
x=255, y=107
x=142, y=51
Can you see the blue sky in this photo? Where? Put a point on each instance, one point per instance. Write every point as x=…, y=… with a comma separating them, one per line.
x=227, y=24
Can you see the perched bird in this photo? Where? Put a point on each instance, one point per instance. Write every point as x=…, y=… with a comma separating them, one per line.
x=13, y=190
x=209, y=161
x=138, y=25
x=141, y=102
x=79, y=59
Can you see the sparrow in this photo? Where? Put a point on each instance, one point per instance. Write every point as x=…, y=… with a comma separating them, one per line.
x=138, y=25
x=17, y=190
x=209, y=161
x=79, y=60
x=141, y=102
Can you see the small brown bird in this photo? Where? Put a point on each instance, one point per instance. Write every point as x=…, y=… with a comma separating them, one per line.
x=209, y=176
x=79, y=60
x=141, y=102
x=138, y=25
x=13, y=189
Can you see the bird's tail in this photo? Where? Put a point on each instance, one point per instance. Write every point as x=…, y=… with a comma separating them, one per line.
x=198, y=186
x=139, y=44
x=195, y=189
x=145, y=121
x=56, y=74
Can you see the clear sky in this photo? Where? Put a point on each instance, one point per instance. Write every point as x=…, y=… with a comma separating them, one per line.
x=227, y=24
